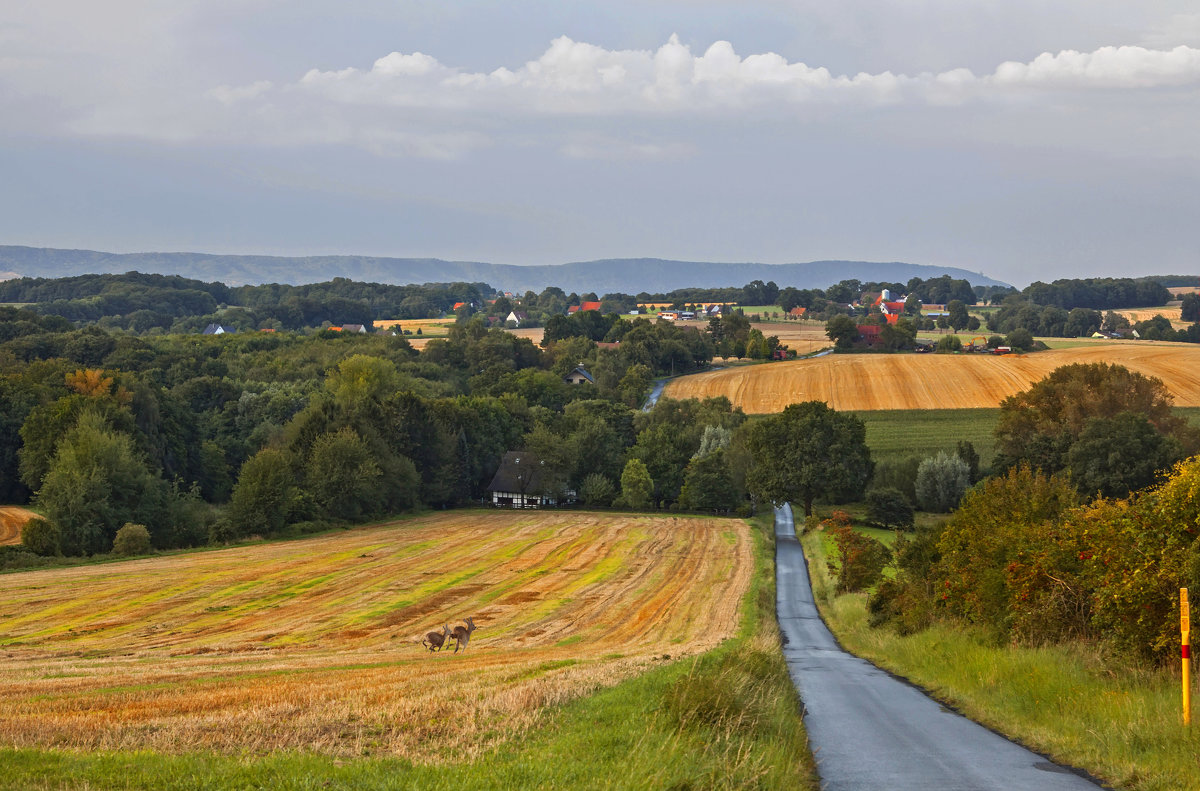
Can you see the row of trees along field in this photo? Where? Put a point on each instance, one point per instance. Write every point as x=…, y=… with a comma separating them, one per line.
x=210, y=438
x=1084, y=530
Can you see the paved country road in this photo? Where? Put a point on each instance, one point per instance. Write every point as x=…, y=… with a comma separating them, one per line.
x=872, y=732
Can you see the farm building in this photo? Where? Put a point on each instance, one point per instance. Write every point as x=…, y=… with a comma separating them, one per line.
x=584, y=306
x=869, y=334
x=517, y=483
x=353, y=328
x=797, y=312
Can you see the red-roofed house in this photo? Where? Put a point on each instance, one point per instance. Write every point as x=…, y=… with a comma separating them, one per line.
x=590, y=306
x=797, y=312
x=869, y=333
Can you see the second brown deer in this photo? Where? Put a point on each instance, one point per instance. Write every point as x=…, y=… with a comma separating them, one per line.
x=462, y=635
x=435, y=640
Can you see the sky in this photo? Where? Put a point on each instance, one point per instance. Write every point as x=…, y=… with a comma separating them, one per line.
x=1026, y=139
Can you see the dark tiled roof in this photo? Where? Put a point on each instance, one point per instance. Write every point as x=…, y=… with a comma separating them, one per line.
x=520, y=472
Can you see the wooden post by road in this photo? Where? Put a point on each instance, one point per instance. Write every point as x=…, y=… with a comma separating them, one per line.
x=1185, y=627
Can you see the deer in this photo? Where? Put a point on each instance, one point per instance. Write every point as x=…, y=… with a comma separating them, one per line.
x=435, y=640
x=462, y=635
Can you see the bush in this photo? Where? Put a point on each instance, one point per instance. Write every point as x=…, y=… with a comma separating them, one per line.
x=637, y=487
x=597, y=490
x=41, y=537
x=889, y=508
x=949, y=343
x=132, y=539
x=860, y=560
x=1020, y=339
x=942, y=480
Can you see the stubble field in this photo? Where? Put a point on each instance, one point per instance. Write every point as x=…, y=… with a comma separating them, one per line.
x=864, y=382
x=12, y=519
x=314, y=644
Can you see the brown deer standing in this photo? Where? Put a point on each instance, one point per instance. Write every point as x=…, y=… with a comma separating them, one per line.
x=435, y=640
x=462, y=635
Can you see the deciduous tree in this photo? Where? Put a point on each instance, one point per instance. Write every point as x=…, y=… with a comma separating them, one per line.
x=808, y=451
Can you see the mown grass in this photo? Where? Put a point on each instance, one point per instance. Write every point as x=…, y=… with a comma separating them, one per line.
x=723, y=720
x=896, y=434
x=1074, y=703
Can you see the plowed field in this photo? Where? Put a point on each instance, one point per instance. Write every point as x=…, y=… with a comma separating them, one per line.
x=314, y=644
x=12, y=519
x=930, y=381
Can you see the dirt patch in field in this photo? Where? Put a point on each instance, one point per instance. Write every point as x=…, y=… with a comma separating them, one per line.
x=12, y=519
x=315, y=644
x=930, y=381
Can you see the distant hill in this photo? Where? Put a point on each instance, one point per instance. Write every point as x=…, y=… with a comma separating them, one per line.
x=627, y=275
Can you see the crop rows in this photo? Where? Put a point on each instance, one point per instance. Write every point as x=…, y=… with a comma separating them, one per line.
x=314, y=644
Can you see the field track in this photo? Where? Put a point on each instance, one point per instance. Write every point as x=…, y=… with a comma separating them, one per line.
x=12, y=519
x=867, y=382
x=314, y=644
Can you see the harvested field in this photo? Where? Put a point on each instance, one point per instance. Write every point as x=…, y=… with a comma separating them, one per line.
x=315, y=644
x=865, y=382
x=12, y=519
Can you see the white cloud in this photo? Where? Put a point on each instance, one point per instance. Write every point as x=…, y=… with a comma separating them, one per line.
x=579, y=78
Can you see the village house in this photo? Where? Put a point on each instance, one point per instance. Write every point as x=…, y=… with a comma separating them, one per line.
x=218, y=329
x=353, y=328
x=518, y=482
x=578, y=376
x=517, y=317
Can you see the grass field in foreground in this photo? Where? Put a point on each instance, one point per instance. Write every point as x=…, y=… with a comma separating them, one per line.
x=728, y=718
x=1070, y=702
x=314, y=644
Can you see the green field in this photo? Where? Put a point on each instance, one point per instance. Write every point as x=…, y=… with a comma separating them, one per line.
x=896, y=434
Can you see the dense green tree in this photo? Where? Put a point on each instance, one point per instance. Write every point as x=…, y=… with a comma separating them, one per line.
x=1119, y=455
x=637, y=488
x=958, y=317
x=132, y=539
x=97, y=482
x=809, y=451
x=1189, y=308
x=597, y=491
x=41, y=537
x=889, y=508
x=708, y=484
x=342, y=477
x=1040, y=425
x=1020, y=339
x=265, y=498
x=842, y=331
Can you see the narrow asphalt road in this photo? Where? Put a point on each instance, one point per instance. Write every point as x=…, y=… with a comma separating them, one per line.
x=871, y=732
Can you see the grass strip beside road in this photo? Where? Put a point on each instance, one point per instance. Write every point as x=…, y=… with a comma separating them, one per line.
x=1073, y=702
x=728, y=718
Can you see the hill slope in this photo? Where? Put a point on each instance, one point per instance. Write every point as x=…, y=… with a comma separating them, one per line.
x=863, y=382
x=628, y=275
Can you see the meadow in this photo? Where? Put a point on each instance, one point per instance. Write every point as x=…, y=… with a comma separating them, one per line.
x=893, y=435
x=314, y=645
x=869, y=382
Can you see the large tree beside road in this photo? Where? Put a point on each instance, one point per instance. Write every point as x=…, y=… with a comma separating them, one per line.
x=809, y=451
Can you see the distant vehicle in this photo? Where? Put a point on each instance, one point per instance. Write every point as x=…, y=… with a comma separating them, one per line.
x=1002, y=350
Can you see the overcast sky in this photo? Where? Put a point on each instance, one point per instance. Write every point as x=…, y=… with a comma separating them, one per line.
x=1027, y=139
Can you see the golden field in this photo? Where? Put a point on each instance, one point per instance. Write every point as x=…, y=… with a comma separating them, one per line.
x=12, y=519
x=314, y=644
x=930, y=381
